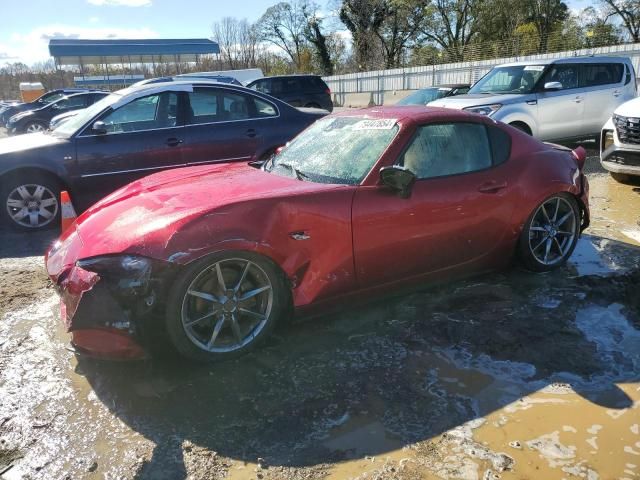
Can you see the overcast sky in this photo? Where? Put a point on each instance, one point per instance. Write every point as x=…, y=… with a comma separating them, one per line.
x=28, y=25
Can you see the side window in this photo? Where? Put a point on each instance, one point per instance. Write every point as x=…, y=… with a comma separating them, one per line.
x=71, y=102
x=146, y=113
x=233, y=106
x=276, y=86
x=293, y=85
x=627, y=77
x=444, y=149
x=204, y=106
x=262, y=86
x=264, y=109
x=566, y=74
x=209, y=105
x=500, y=144
x=602, y=74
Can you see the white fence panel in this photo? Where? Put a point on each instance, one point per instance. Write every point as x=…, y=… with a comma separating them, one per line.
x=412, y=78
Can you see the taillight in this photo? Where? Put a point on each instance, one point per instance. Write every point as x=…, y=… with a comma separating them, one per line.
x=580, y=154
x=328, y=91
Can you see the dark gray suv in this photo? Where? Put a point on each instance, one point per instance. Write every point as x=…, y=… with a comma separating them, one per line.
x=296, y=90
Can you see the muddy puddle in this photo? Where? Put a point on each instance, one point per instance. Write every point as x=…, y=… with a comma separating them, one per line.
x=511, y=376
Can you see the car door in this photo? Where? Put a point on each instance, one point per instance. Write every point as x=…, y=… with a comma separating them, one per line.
x=220, y=126
x=458, y=211
x=561, y=111
x=140, y=137
x=602, y=84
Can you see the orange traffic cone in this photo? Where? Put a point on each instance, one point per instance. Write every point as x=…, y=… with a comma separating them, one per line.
x=67, y=213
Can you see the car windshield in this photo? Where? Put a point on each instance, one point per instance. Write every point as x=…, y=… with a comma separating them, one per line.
x=422, y=97
x=339, y=150
x=71, y=126
x=513, y=79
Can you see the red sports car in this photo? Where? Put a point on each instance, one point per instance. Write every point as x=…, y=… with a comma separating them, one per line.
x=358, y=204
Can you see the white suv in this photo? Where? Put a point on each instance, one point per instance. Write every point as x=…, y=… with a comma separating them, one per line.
x=558, y=99
x=620, y=141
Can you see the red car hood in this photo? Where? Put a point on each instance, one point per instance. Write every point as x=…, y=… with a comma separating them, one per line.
x=142, y=217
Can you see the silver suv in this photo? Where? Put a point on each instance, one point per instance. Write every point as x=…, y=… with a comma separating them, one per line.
x=555, y=99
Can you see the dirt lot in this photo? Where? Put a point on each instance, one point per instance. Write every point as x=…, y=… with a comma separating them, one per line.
x=511, y=375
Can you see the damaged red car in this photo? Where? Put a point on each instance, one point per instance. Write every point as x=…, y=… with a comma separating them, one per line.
x=355, y=206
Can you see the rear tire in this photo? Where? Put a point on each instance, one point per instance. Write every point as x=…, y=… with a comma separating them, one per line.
x=30, y=201
x=225, y=305
x=550, y=234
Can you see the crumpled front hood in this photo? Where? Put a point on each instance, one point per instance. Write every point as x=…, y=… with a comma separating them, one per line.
x=475, y=100
x=629, y=109
x=29, y=141
x=142, y=217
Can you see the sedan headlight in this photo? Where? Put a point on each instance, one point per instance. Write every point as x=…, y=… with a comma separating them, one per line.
x=487, y=110
x=19, y=116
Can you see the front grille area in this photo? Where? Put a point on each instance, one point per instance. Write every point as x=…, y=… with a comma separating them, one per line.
x=628, y=129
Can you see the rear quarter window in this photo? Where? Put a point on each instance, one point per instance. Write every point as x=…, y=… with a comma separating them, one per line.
x=500, y=144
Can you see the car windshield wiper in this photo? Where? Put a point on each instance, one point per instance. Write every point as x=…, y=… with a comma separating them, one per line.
x=299, y=175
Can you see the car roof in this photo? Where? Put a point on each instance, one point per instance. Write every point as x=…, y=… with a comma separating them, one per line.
x=447, y=85
x=177, y=83
x=293, y=75
x=408, y=114
x=581, y=59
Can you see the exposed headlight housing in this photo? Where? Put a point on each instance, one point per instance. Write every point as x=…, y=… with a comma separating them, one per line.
x=129, y=271
x=487, y=110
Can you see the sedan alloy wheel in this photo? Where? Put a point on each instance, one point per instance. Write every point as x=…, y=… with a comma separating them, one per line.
x=551, y=233
x=35, y=127
x=224, y=305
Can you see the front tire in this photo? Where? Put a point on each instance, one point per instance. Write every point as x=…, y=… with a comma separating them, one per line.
x=225, y=305
x=34, y=127
x=550, y=234
x=30, y=201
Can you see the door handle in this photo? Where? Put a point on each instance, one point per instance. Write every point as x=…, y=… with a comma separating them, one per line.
x=492, y=187
x=616, y=93
x=251, y=133
x=173, y=142
x=578, y=99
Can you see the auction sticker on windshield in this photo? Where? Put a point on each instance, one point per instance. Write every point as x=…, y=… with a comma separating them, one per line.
x=379, y=124
x=534, y=68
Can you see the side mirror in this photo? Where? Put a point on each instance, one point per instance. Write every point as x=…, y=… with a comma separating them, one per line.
x=399, y=179
x=99, y=128
x=553, y=86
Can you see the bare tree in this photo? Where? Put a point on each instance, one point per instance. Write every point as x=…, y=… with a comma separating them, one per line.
x=451, y=24
x=629, y=13
x=284, y=25
x=403, y=22
x=226, y=33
